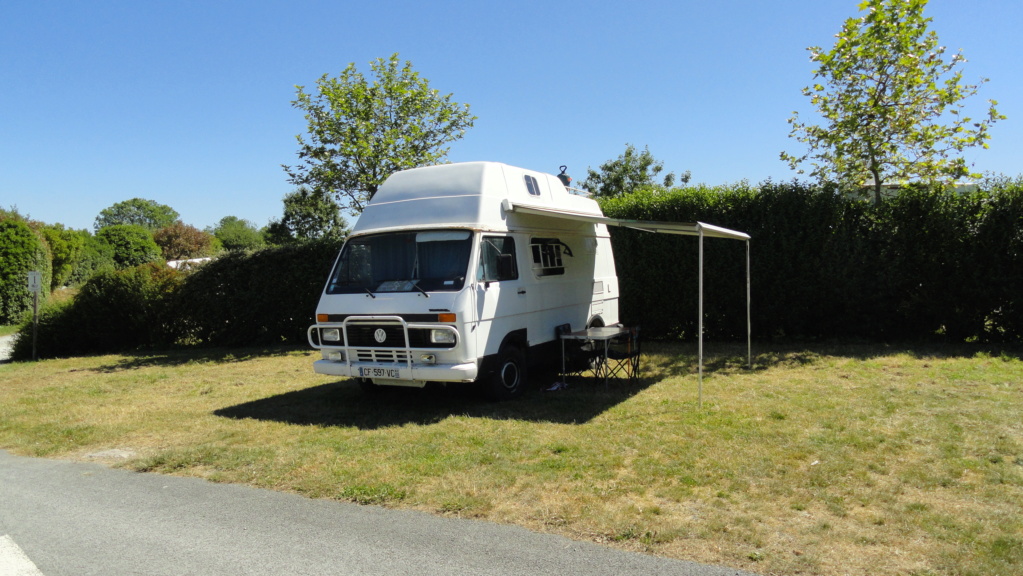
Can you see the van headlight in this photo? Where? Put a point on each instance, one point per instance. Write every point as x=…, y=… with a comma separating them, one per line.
x=330, y=335
x=442, y=337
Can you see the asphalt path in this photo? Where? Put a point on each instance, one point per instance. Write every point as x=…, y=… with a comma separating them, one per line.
x=79, y=519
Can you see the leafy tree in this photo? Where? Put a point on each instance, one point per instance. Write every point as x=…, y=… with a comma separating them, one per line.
x=21, y=250
x=308, y=215
x=237, y=234
x=146, y=213
x=97, y=256
x=133, y=245
x=360, y=131
x=629, y=172
x=891, y=102
x=180, y=241
x=66, y=248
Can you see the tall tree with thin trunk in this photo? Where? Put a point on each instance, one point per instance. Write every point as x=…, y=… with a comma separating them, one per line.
x=892, y=104
x=360, y=132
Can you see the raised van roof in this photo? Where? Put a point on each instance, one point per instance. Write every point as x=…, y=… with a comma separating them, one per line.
x=468, y=194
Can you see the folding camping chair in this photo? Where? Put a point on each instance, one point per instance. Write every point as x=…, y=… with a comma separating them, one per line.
x=622, y=361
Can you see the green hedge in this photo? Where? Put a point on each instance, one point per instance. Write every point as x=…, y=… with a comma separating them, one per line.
x=117, y=310
x=923, y=263
x=255, y=298
x=239, y=299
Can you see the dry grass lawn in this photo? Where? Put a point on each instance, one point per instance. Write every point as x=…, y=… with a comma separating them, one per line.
x=844, y=460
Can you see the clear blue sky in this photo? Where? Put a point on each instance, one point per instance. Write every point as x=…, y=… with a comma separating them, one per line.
x=188, y=103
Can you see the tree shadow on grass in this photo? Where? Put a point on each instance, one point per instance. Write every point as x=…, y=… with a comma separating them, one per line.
x=680, y=358
x=182, y=357
x=345, y=404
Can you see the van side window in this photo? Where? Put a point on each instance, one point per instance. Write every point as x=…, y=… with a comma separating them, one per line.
x=547, y=256
x=532, y=186
x=497, y=259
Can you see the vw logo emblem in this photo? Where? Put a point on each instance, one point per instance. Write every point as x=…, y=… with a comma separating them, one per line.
x=380, y=335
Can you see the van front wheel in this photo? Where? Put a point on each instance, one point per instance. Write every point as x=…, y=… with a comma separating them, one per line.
x=509, y=378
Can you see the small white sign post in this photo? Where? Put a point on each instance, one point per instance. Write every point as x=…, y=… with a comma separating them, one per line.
x=35, y=286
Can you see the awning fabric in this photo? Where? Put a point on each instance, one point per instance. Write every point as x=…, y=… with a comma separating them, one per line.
x=686, y=229
x=700, y=229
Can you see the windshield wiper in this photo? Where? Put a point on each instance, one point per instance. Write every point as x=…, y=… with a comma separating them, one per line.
x=417, y=287
x=370, y=292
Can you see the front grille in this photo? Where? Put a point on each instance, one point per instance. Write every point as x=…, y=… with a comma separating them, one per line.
x=363, y=335
x=386, y=356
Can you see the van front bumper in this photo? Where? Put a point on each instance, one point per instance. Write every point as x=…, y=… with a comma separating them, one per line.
x=417, y=373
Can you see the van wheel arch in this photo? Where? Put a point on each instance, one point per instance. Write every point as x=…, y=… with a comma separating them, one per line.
x=510, y=373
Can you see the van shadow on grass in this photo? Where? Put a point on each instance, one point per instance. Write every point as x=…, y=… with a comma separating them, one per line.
x=345, y=404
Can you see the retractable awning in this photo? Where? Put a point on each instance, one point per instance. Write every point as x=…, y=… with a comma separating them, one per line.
x=699, y=229
x=686, y=229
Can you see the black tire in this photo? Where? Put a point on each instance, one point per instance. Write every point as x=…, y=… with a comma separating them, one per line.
x=509, y=378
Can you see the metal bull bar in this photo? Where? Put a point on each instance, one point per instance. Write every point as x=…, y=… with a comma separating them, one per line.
x=400, y=353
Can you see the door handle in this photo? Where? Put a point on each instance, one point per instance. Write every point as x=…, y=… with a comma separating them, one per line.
x=521, y=291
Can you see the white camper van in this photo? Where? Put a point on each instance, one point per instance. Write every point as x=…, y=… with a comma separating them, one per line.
x=455, y=273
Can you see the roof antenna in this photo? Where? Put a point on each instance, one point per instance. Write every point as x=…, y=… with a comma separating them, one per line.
x=565, y=178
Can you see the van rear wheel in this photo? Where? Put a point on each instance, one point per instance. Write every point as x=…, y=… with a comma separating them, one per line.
x=509, y=378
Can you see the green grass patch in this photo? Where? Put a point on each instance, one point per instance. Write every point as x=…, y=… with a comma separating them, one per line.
x=854, y=459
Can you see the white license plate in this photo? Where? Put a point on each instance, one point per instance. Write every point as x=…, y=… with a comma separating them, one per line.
x=392, y=373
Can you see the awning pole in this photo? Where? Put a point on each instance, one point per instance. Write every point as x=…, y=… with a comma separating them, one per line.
x=749, y=320
x=700, y=323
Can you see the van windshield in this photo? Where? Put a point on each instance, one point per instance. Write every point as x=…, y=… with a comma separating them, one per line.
x=415, y=261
